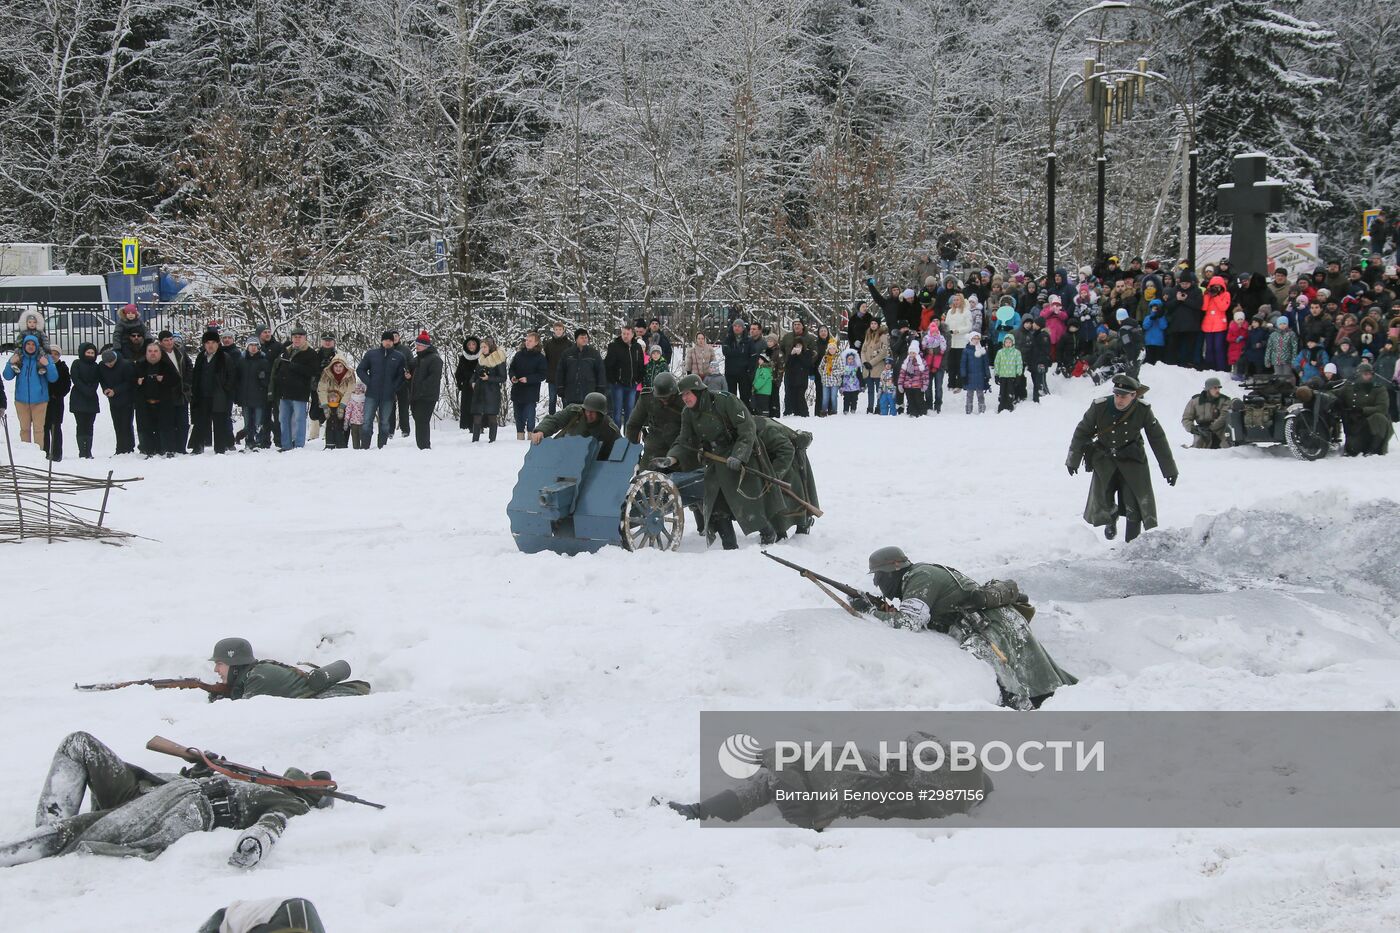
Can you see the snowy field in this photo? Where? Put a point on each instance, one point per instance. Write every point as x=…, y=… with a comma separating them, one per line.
x=527, y=707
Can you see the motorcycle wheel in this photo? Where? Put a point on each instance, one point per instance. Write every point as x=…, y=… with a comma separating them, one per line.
x=1303, y=439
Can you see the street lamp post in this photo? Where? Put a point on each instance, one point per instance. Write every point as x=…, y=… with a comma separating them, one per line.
x=1111, y=94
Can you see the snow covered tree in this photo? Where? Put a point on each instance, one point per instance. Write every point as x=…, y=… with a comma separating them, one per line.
x=1256, y=94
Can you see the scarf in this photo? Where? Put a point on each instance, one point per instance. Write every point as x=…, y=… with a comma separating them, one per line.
x=497, y=358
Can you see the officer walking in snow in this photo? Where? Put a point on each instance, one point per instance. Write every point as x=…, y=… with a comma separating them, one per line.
x=1108, y=440
x=991, y=621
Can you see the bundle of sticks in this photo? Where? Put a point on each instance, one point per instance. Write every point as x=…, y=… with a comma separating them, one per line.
x=39, y=503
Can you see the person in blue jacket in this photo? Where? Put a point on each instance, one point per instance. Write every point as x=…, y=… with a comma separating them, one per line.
x=30, y=370
x=382, y=372
x=976, y=371
x=1154, y=331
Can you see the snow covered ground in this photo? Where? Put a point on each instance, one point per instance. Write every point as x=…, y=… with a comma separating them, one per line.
x=527, y=707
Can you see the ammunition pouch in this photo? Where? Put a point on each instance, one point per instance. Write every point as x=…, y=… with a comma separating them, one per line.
x=996, y=593
x=222, y=803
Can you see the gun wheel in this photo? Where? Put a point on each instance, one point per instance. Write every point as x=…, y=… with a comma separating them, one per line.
x=652, y=513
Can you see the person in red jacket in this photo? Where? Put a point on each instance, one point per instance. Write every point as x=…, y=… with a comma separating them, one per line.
x=1215, y=319
x=1235, y=339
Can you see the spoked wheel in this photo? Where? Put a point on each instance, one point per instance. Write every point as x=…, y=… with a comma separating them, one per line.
x=1305, y=439
x=652, y=513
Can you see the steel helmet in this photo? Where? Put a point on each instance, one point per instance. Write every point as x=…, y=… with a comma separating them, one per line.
x=664, y=385
x=596, y=401
x=691, y=383
x=234, y=652
x=889, y=558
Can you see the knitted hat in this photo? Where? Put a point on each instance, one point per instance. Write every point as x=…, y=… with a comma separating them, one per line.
x=907, y=293
x=1121, y=314
x=109, y=356
x=1330, y=369
x=424, y=338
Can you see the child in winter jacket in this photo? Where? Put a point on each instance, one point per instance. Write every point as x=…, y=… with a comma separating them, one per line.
x=851, y=372
x=1311, y=360
x=1282, y=349
x=355, y=413
x=1236, y=340
x=913, y=380
x=976, y=373
x=1154, y=330
x=1009, y=367
x=1347, y=358
x=32, y=322
x=829, y=372
x=656, y=365
x=1256, y=345
x=935, y=352
x=763, y=385
x=887, y=387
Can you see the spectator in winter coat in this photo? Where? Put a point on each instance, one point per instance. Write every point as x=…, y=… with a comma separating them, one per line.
x=976, y=372
x=655, y=335
x=656, y=365
x=53, y=412
x=1060, y=285
x=1236, y=342
x=32, y=322
x=466, y=369
x=873, y=351
x=761, y=395
x=334, y=390
x=914, y=380
x=829, y=373
x=859, y=325
x=554, y=349
x=1317, y=325
x=852, y=379
x=355, y=415
x=30, y=370
x=253, y=377
x=129, y=322
x=1215, y=309
x=1256, y=346
x=490, y=377
x=1056, y=323
x=160, y=402
x=293, y=377
x=739, y=355
x=527, y=371
x=1310, y=361
x=1184, y=332
x=799, y=356
x=82, y=401
x=213, y=390
x=935, y=347
x=117, y=377
x=889, y=385
x=1010, y=369
x=623, y=364
x=1279, y=288
x=1346, y=359
x=1034, y=344
x=1007, y=323
x=958, y=326
x=382, y=372
x=581, y=370
x=699, y=357
x=1282, y=349
x=403, y=402
x=1154, y=331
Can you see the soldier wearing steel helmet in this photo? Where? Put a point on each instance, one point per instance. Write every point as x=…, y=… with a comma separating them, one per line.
x=589, y=419
x=1108, y=440
x=655, y=421
x=247, y=676
x=991, y=621
x=718, y=423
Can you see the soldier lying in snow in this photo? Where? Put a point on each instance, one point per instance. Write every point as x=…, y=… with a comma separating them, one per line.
x=246, y=676
x=136, y=812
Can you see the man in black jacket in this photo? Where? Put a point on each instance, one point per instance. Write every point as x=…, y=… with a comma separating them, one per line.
x=212, y=391
x=294, y=375
x=253, y=377
x=402, y=402
x=326, y=354
x=739, y=354
x=117, y=378
x=554, y=349
x=53, y=414
x=581, y=370
x=624, y=365
x=424, y=378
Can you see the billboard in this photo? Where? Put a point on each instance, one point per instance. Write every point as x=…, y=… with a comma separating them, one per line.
x=1293, y=251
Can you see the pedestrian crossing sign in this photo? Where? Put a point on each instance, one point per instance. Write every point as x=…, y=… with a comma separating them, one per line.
x=131, y=256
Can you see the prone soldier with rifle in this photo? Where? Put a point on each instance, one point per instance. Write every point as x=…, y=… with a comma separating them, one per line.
x=990, y=621
x=136, y=812
x=242, y=675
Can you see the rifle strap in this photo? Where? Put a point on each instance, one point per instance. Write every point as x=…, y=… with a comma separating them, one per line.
x=255, y=776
